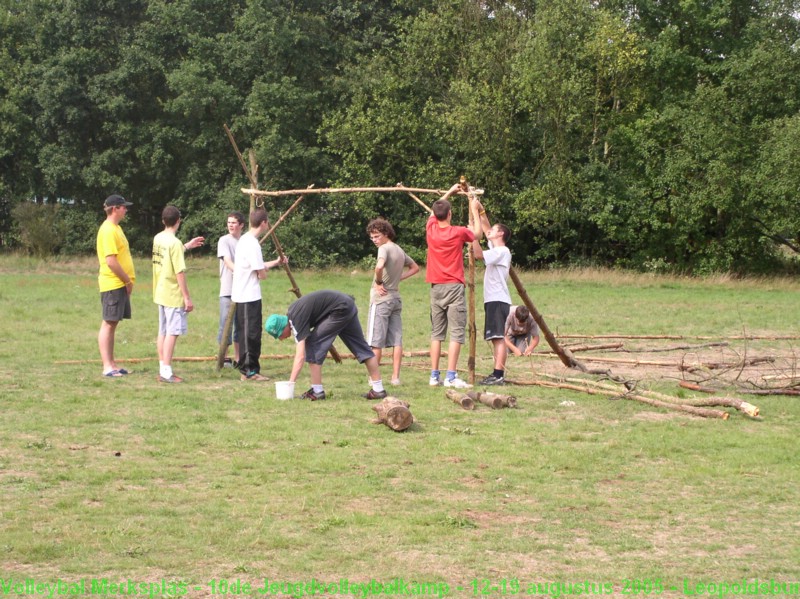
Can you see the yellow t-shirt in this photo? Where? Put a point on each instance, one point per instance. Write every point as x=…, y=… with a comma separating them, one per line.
x=167, y=263
x=111, y=241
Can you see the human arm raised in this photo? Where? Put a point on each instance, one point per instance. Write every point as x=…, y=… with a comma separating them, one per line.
x=193, y=243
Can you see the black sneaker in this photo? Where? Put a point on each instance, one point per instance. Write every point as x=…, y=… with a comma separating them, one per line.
x=313, y=396
x=372, y=394
x=493, y=380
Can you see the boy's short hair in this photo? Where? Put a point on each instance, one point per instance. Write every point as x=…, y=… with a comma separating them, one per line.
x=258, y=216
x=441, y=208
x=522, y=313
x=170, y=215
x=238, y=216
x=505, y=231
x=383, y=226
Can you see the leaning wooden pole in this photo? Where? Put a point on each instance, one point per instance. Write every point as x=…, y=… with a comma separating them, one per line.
x=251, y=175
x=565, y=355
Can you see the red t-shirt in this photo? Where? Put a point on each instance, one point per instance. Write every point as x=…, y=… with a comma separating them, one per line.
x=446, y=252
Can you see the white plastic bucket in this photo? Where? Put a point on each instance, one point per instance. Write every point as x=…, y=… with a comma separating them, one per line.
x=284, y=389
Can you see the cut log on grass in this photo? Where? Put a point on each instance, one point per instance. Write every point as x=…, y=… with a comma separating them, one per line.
x=695, y=387
x=465, y=401
x=493, y=400
x=394, y=413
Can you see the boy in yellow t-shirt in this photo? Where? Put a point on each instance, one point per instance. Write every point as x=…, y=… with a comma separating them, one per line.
x=170, y=292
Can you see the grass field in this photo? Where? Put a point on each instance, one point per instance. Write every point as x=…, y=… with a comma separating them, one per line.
x=191, y=488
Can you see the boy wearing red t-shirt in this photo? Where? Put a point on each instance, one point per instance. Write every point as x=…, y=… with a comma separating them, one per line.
x=445, y=273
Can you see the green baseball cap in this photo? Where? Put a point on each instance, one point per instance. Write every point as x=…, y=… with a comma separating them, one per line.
x=275, y=324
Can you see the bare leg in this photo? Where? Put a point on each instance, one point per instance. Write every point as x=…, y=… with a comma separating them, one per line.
x=105, y=341
x=378, y=354
x=397, y=358
x=436, y=351
x=372, y=368
x=452, y=356
x=315, y=370
x=500, y=353
x=166, y=348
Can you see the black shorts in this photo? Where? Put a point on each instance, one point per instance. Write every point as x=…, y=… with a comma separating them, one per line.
x=116, y=304
x=496, y=314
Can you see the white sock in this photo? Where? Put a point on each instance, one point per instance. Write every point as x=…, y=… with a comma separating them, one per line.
x=317, y=388
x=165, y=371
x=377, y=386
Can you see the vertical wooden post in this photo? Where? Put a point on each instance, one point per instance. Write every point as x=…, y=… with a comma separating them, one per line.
x=471, y=312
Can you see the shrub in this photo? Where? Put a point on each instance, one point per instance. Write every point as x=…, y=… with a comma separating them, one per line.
x=41, y=232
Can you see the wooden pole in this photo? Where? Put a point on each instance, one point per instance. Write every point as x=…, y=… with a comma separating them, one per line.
x=295, y=289
x=471, y=311
x=289, y=192
x=565, y=355
x=281, y=219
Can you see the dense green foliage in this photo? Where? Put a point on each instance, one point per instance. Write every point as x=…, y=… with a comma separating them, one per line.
x=654, y=134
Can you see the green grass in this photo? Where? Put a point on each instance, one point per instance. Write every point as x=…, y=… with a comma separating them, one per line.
x=216, y=479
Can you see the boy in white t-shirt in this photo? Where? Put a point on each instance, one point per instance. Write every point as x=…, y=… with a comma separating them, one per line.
x=496, y=298
x=248, y=271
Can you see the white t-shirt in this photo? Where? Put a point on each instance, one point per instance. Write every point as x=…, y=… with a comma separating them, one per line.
x=498, y=263
x=246, y=285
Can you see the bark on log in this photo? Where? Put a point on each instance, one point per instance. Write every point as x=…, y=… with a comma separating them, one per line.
x=394, y=413
x=493, y=400
x=465, y=401
x=695, y=387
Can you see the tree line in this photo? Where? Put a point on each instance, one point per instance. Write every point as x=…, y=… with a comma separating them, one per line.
x=661, y=135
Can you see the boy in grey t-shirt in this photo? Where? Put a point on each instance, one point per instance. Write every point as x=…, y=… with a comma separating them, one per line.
x=226, y=252
x=384, y=324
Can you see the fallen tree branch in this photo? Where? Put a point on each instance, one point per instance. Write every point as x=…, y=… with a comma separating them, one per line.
x=694, y=411
x=585, y=347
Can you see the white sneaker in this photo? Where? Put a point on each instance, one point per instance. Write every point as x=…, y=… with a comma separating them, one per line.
x=457, y=383
x=396, y=382
x=434, y=382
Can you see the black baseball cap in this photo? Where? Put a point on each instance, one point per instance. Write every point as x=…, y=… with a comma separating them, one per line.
x=116, y=200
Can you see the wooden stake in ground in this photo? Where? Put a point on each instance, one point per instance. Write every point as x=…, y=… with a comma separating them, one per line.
x=473, y=335
x=394, y=413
